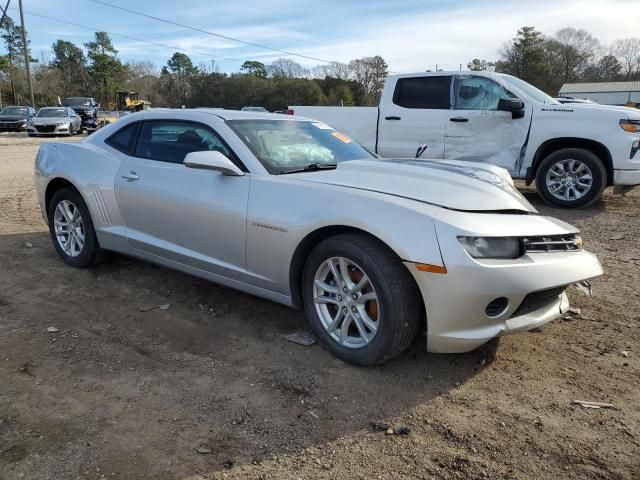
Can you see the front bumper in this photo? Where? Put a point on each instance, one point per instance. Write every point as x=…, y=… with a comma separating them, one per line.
x=456, y=302
x=48, y=129
x=12, y=126
x=626, y=177
x=89, y=123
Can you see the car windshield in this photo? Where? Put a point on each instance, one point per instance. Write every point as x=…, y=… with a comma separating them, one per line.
x=530, y=90
x=78, y=102
x=283, y=145
x=13, y=111
x=52, y=112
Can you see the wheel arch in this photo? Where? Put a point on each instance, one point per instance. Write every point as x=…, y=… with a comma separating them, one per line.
x=555, y=144
x=55, y=185
x=308, y=243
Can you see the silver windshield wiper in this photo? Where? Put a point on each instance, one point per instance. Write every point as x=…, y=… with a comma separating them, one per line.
x=312, y=167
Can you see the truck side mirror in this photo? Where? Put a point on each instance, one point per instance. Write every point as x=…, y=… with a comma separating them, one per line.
x=513, y=105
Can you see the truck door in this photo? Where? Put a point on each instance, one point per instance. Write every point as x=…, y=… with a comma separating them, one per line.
x=477, y=131
x=416, y=114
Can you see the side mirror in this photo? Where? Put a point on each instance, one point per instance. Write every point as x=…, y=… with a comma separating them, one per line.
x=513, y=105
x=212, y=160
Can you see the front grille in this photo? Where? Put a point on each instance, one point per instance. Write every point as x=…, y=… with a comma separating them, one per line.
x=537, y=300
x=552, y=243
x=45, y=128
x=10, y=124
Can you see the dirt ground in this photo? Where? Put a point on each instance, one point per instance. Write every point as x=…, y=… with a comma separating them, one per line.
x=208, y=388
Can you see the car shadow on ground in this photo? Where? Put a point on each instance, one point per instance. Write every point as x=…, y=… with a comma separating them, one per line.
x=141, y=354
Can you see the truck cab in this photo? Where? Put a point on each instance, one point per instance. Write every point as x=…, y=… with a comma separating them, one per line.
x=86, y=108
x=572, y=152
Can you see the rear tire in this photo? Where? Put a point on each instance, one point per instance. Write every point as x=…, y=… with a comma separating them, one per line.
x=571, y=178
x=396, y=311
x=75, y=214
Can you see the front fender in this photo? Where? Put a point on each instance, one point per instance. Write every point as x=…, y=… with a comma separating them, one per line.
x=281, y=214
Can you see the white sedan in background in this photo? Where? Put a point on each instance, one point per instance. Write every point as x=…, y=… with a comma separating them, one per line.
x=294, y=211
x=54, y=121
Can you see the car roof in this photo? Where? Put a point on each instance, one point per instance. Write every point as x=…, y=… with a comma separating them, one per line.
x=480, y=73
x=222, y=114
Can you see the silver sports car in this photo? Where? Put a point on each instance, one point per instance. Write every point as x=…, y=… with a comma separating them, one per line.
x=293, y=211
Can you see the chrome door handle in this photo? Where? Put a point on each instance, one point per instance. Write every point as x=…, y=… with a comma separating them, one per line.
x=131, y=176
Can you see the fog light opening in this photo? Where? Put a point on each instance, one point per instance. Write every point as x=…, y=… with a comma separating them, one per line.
x=496, y=307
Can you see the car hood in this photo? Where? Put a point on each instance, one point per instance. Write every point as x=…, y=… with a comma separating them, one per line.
x=12, y=118
x=632, y=113
x=451, y=184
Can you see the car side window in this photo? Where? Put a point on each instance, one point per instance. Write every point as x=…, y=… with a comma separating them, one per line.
x=124, y=139
x=430, y=92
x=478, y=93
x=171, y=141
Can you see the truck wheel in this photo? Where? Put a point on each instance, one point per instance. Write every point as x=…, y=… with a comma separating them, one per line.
x=571, y=178
x=360, y=300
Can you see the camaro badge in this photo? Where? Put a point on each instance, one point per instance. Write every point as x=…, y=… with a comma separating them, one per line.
x=270, y=227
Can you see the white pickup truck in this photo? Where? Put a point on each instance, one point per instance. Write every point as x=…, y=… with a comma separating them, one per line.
x=572, y=151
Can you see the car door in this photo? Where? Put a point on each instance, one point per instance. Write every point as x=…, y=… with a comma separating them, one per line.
x=416, y=115
x=190, y=216
x=477, y=131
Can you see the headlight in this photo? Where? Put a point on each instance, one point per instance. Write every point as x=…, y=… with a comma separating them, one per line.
x=59, y=123
x=492, y=247
x=631, y=126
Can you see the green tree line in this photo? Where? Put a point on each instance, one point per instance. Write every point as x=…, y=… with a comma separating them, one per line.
x=570, y=55
x=95, y=69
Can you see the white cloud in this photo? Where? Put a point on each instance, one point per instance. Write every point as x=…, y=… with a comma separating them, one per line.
x=419, y=41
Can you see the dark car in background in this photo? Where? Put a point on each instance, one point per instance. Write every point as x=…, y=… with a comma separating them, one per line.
x=14, y=119
x=86, y=107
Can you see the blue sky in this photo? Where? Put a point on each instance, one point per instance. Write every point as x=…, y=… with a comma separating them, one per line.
x=412, y=35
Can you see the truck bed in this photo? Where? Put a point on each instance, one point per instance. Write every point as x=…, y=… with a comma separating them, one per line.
x=360, y=123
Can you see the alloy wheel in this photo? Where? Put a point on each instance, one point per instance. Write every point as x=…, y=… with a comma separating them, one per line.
x=69, y=228
x=346, y=302
x=569, y=179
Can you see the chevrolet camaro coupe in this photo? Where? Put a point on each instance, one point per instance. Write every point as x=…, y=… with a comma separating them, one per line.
x=294, y=211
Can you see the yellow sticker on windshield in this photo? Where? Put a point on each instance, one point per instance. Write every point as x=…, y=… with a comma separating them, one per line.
x=341, y=137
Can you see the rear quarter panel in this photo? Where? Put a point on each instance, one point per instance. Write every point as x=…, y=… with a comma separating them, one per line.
x=92, y=171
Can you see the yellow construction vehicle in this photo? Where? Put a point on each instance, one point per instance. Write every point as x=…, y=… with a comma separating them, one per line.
x=130, y=101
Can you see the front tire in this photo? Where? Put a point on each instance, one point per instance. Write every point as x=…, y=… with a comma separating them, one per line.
x=360, y=300
x=71, y=229
x=571, y=178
